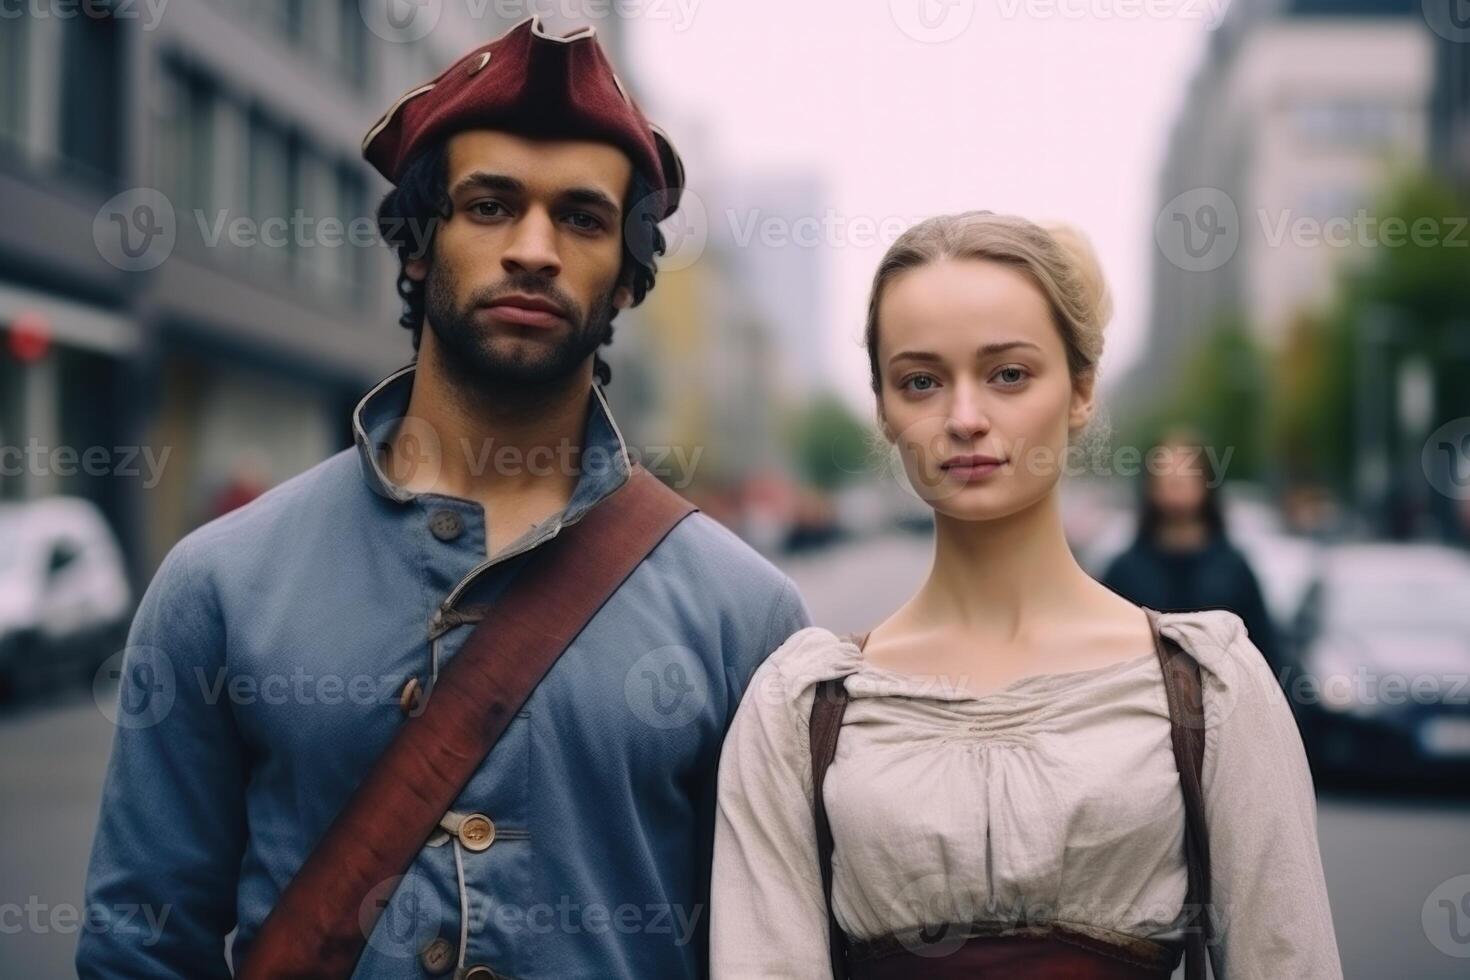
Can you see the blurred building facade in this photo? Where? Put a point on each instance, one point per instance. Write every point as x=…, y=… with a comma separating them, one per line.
x=236, y=359
x=1300, y=110
x=701, y=357
x=1450, y=109
x=784, y=248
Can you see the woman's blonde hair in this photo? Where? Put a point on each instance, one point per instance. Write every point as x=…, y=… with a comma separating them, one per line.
x=1056, y=257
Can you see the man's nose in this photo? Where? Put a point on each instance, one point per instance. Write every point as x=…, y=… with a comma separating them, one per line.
x=532, y=246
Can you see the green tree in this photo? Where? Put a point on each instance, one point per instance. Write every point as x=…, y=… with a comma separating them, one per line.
x=830, y=444
x=1219, y=388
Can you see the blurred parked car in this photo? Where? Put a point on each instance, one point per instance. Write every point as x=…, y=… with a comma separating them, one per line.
x=65, y=602
x=1384, y=635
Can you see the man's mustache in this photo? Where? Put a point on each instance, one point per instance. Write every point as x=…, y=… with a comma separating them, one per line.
x=529, y=285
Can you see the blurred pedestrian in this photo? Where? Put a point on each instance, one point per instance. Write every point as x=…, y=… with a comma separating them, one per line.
x=1182, y=556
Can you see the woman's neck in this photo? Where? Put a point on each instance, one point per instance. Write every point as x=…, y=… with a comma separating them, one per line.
x=995, y=576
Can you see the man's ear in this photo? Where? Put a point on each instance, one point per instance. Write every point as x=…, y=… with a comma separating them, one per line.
x=622, y=298
x=416, y=269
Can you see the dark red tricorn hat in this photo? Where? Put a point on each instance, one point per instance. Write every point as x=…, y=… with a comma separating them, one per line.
x=533, y=83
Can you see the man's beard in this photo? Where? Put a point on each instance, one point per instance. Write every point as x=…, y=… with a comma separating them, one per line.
x=484, y=360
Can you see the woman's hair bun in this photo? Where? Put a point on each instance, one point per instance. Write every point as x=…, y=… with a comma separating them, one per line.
x=1092, y=285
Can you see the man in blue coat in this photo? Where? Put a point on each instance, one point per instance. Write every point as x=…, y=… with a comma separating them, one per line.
x=280, y=647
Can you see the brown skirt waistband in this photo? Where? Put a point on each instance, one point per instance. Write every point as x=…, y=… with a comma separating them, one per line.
x=1052, y=951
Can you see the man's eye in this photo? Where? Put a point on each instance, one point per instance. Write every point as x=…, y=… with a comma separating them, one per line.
x=489, y=209
x=583, y=221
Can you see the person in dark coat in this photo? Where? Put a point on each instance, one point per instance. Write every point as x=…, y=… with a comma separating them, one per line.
x=1182, y=558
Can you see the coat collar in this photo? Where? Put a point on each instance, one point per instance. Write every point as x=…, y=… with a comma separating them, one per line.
x=605, y=462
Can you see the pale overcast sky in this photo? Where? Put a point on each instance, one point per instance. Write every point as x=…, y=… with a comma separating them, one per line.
x=904, y=108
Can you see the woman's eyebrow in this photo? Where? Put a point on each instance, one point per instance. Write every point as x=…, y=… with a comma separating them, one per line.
x=985, y=350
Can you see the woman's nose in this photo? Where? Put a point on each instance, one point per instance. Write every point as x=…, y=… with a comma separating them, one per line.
x=967, y=417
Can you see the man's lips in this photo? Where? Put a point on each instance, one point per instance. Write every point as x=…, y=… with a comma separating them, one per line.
x=530, y=311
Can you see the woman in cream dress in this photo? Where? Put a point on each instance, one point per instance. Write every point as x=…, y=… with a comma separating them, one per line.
x=1005, y=756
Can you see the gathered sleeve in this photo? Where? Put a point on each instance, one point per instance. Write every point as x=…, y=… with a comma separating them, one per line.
x=768, y=917
x=1268, y=891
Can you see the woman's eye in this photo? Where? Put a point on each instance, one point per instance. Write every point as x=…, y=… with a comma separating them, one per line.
x=912, y=382
x=1012, y=375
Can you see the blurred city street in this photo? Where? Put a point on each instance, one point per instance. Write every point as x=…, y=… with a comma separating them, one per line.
x=1246, y=219
x=1383, y=857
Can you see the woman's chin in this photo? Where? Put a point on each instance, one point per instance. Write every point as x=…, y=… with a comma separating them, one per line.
x=981, y=502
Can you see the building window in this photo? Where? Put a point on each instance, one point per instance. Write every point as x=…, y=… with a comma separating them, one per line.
x=288, y=18
x=351, y=40
x=272, y=190
x=321, y=227
x=186, y=138
x=1348, y=123
x=14, y=64
x=91, y=104
x=356, y=264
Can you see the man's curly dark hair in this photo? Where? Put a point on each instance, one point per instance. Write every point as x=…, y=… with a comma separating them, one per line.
x=409, y=214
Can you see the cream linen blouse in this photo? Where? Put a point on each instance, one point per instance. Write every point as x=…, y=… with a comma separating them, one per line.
x=1054, y=797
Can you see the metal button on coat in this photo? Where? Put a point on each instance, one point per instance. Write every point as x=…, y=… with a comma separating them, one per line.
x=446, y=524
x=438, y=957
x=412, y=696
x=477, y=832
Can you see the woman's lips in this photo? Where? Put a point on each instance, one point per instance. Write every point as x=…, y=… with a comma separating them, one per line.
x=969, y=472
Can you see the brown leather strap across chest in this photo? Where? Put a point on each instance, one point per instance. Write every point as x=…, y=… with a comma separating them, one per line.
x=975, y=951
x=320, y=924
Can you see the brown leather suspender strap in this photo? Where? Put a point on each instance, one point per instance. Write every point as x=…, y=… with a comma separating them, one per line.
x=320, y=925
x=826, y=724
x=1184, y=693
